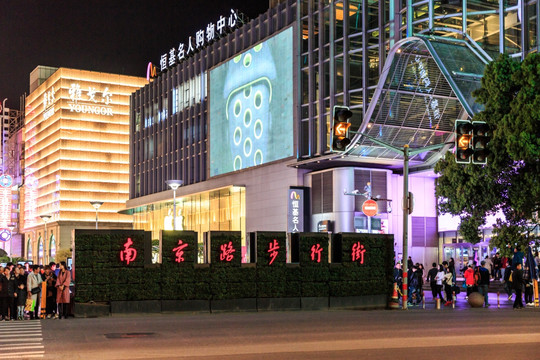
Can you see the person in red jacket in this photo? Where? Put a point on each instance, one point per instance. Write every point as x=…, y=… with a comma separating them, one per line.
x=470, y=280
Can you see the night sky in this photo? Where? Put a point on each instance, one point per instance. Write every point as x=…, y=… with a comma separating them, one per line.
x=115, y=36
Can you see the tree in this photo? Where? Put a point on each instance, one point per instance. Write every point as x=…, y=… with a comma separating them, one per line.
x=510, y=93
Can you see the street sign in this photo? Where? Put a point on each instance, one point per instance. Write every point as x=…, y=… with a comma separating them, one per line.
x=370, y=208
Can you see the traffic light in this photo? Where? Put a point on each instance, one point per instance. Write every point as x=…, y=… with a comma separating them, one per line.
x=480, y=139
x=340, y=128
x=464, y=133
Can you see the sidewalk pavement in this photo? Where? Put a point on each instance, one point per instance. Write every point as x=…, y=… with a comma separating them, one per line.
x=462, y=304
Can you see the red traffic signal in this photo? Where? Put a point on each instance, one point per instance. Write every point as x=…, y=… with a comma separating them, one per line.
x=340, y=128
x=463, y=142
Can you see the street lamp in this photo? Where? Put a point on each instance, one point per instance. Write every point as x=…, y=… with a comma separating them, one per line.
x=96, y=205
x=45, y=218
x=174, y=184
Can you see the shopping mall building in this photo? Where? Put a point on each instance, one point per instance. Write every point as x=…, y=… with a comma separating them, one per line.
x=241, y=114
x=76, y=155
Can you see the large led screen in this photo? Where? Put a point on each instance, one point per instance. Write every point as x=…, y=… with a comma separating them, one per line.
x=251, y=107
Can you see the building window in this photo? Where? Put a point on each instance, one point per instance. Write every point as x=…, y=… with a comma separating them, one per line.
x=322, y=193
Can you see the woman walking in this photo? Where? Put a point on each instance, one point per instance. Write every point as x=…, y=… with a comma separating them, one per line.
x=62, y=292
x=33, y=288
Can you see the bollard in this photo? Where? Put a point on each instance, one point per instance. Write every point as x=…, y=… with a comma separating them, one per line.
x=453, y=299
x=438, y=304
x=423, y=302
x=498, y=302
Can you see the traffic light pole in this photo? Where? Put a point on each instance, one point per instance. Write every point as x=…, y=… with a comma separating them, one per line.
x=407, y=154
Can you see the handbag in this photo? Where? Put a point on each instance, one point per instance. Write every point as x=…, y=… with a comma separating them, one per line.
x=36, y=290
x=28, y=305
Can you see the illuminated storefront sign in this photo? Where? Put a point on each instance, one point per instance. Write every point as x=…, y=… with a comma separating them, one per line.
x=273, y=248
x=357, y=252
x=227, y=251
x=316, y=251
x=179, y=251
x=129, y=254
x=88, y=101
x=295, y=211
x=48, y=103
x=195, y=43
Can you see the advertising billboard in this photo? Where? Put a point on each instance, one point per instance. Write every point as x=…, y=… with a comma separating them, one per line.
x=251, y=107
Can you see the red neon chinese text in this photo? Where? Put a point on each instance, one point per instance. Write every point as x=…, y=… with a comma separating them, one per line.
x=273, y=248
x=316, y=251
x=179, y=251
x=227, y=251
x=129, y=254
x=357, y=253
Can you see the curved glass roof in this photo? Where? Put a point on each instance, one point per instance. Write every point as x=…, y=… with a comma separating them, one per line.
x=426, y=84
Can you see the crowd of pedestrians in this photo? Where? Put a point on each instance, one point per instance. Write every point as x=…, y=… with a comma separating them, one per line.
x=23, y=287
x=516, y=273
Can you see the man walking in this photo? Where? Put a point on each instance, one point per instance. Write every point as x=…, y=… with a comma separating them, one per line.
x=517, y=281
x=483, y=285
x=431, y=277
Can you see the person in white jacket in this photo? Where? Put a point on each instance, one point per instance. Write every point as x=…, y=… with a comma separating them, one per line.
x=439, y=279
x=34, y=281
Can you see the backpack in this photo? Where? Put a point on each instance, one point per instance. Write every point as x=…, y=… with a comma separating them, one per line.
x=477, y=277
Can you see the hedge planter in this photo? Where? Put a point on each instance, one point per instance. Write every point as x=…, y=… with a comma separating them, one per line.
x=91, y=310
x=128, y=307
x=359, y=302
x=233, y=305
x=193, y=306
x=278, y=304
x=314, y=303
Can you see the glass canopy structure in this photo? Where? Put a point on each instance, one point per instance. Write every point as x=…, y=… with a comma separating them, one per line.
x=426, y=84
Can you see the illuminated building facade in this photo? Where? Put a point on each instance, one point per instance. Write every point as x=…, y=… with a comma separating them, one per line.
x=231, y=116
x=76, y=151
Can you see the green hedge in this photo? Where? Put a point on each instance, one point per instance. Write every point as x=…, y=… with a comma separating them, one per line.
x=101, y=276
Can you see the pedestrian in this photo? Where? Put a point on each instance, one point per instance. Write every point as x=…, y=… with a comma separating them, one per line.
x=398, y=279
x=413, y=286
x=497, y=265
x=517, y=281
x=21, y=292
x=50, y=299
x=488, y=264
x=62, y=288
x=33, y=288
x=483, y=284
x=518, y=257
x=439, y=278
x=3, y=295
x=469, y=280
x=452, y=268
x=431, y=277
x=507, y=276
x=410, y=263
x=12, y=293
x=448, y=282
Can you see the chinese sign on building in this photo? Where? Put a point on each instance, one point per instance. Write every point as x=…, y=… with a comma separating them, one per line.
x=295, y=211
x=202, y=38
x=90, y=100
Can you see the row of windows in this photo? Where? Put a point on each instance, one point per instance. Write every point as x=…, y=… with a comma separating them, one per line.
x=189, y=93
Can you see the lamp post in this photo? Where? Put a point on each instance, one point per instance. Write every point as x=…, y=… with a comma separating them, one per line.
x=174, y=184
x=45, y=219
x=96, y=205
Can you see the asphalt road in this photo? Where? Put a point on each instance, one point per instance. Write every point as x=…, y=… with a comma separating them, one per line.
x=415, y=334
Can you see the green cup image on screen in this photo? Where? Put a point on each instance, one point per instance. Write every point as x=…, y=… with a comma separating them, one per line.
x=248, y=106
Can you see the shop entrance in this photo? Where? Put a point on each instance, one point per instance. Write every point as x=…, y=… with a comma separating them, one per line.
x=465, y=252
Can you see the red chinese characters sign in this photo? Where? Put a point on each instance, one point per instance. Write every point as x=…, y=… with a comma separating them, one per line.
x=226, y=252
x=316, y=251
x=179, y=251
x=357, y=252
x=128, y=254
x=273, y=251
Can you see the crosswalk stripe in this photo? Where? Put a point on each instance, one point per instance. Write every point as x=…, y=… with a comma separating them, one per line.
x=21, y=340
x=26, y=346
x=34, y=339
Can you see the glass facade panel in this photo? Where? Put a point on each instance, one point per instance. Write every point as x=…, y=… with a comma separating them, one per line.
x=217, y=210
